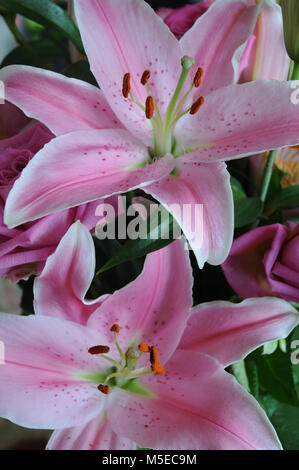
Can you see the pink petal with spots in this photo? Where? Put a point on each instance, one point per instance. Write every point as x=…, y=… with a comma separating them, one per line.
x=155, y=307
x=214, y=39
x=42, y=382
x=230, y=331
x=98, y=434
x=63, y=104
x=128, y=37
x=200, y=199
x=81, y=167
x=241, y=120
x=196, y=405
x=61, y=292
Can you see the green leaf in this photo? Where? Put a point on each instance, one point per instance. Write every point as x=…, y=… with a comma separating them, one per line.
x=275, y=375
x=275, y=184
x=252, y=377
x=47, y=13
x=285, y=419
x=247, y=210
x=36, y=53
x=157, y=237
x=237, y=189
x=81, y=70
x=286, y=198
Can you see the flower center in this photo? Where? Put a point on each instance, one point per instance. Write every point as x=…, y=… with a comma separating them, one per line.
x=124, y=371
x=162, y=126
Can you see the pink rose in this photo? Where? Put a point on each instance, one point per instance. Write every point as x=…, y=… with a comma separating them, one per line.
x=12, y=120
x=181, y=19
x=265, y=261
x=24, y=250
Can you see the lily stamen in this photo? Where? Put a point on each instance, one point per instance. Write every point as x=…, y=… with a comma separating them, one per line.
x=162, y=125
x=115, y=328
x=144, y=347
x=126, y=85
x=145, y=77
x=198, y=77
x=125, y=370
x=197, y=105
x=157, y=368
x=149, y=107
x=104, y=389
x=99, y=350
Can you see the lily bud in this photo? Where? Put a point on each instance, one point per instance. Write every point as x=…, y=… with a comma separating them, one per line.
x=290, y=13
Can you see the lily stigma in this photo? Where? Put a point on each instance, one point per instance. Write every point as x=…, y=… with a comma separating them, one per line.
x=124, y=372
x=162, y=128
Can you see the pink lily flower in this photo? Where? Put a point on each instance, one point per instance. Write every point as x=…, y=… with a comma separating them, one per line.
x=132, y=134
x=100, y=388
x=265, y=55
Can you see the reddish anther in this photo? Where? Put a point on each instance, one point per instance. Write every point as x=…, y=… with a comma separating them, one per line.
x=99, y=349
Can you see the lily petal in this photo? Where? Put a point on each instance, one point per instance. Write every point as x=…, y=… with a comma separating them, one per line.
x=196, y=405
x=265, y=55
x=214, y=47
x=61, y=292
x=63, y=104
x=230, y=331
x=155, y=307
x=81, y=167
x=42, y=381
x=98, y=434
x=196, y=185
x=128, y=37
x=241, y=120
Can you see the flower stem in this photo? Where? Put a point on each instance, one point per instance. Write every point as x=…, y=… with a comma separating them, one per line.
x=267, y=175
x=10, y=20
x=239, y=371
x=295, y=73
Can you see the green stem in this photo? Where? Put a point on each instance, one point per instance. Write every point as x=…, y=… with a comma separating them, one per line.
x=295, y=73
x=10, y=20
x=267, y=175
x=239, y=371
x=187, y=63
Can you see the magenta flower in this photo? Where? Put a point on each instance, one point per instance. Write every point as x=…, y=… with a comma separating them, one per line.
x=12, y=120
x=264, y=261
x=24, y=250
x=83, y=368
x=179, y=20
x=138, y=131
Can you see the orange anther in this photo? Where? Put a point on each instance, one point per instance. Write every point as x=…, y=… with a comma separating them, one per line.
x=197, y=105
x=115, y=328
x=144, y=347
x=149, y=107
x=99, y=349
x=104, y=389
x=198, y=77
x=157, y=368
x=145, y=77
x=126, y=85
